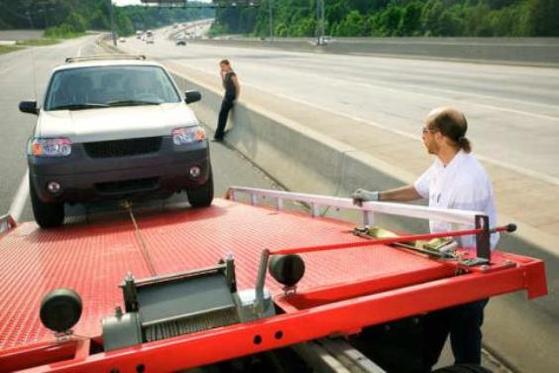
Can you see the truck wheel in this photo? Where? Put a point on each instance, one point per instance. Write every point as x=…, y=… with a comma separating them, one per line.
x=463, y=368
x=47, y=215
x=203, y=195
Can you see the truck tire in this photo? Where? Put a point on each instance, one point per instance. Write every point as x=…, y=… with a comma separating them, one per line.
x=47, y=215
x=463, y=368
x=203, y=195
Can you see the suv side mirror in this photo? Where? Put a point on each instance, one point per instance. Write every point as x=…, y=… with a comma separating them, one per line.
x=192, y=96
x=29, y=107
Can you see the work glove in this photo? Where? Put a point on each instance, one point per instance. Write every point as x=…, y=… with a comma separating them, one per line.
x=362, y=195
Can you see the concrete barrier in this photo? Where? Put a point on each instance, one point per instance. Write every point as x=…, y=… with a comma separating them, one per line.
x=522, y=51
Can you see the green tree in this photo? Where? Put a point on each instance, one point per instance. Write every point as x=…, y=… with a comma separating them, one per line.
x=544, y=17
x=390, y=20
x=352, y=25
x=76, y=22
x=410, y=22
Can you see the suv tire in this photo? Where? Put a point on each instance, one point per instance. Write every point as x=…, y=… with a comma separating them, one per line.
x=463, y=368
x=47, y=215
x=203, y=195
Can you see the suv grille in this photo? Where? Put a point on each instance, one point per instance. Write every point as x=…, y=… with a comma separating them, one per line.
x=122, y=148
x=128, y=186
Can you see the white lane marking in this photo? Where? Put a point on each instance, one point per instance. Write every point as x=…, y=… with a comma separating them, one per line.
x=80, y=51
x=18, y=203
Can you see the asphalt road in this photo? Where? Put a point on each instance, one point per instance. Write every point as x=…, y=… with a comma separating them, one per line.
x=24, y=75
x=513, y=110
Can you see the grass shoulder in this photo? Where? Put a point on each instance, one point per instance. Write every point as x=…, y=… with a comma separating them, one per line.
x=38, y=42
x=9, y=48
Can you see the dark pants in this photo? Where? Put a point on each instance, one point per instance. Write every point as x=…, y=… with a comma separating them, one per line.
x=226, y=105
x=464, y=325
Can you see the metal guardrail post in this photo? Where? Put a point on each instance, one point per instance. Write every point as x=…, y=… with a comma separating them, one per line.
x=315, y=210
x=368, y=218
x=279, y=204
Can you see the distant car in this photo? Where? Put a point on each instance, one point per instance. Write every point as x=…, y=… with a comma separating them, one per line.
x=149, y=37
x=114, y=129
x=122, y=40
x=180, y=42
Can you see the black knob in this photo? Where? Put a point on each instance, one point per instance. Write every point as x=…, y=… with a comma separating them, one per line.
x=287, y=269
x=511, y=227
x=61, y=309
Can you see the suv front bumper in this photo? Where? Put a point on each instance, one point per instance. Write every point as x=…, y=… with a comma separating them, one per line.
x=82, y=178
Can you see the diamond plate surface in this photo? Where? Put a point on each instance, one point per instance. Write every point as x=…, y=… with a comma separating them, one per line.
x=93, y=259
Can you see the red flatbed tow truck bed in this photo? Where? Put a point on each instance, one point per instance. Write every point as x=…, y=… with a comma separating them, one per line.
x=342, y=290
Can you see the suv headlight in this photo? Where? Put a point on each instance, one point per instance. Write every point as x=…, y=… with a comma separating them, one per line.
x=56, y=147
x=188, y=135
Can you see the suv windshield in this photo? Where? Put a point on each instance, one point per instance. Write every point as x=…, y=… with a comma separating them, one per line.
x=105, y=86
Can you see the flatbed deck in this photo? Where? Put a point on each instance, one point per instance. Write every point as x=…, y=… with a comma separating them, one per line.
x=94, y=259
x=346, y=289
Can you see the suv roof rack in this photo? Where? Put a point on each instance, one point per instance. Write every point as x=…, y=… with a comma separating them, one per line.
x=106, y=57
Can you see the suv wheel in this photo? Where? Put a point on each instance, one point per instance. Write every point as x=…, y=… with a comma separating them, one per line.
x=203, y=195
x=463, y=368
x=47, y=215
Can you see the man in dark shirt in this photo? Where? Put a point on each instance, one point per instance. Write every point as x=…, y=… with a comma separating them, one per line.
x=232, y=91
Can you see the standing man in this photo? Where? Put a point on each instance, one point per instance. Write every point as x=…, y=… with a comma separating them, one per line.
x=232, y=91
x=455, y=180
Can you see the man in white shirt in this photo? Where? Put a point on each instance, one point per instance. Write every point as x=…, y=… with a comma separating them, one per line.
x=455, y=180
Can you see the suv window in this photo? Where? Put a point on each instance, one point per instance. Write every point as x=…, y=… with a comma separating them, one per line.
x=104, y=86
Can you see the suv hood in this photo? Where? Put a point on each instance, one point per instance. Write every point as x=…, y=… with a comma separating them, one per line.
x=115, y=123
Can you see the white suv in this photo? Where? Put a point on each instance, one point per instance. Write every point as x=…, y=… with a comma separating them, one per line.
x=114, y=128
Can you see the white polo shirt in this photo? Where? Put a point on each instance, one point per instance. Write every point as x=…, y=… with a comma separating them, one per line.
x=463, y=184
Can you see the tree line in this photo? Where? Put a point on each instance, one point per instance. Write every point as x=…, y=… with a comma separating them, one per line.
x=396, y=18
x=64, y=18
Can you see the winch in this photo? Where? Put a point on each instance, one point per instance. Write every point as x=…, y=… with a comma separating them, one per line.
x=167, y=306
